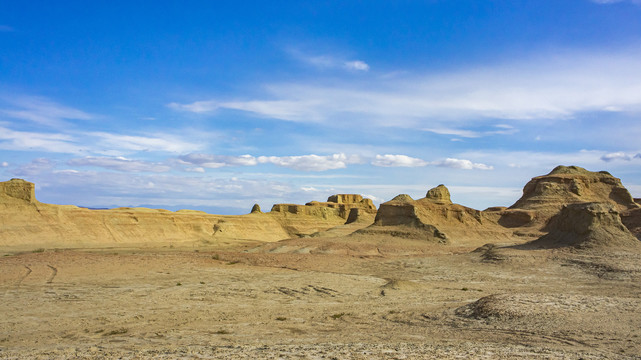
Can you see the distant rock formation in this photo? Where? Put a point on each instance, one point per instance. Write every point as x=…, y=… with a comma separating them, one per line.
x=569, y=207
x=340, y=205
x=433, y=218
x=19, y=189
x=587, y=225
x=572, y=184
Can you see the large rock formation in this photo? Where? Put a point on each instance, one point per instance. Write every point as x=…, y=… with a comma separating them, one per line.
x=587, y=225
x=339, y=209
x=434, y=218
x=572, y=184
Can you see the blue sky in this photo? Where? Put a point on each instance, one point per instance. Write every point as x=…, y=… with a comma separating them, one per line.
x=216, y=105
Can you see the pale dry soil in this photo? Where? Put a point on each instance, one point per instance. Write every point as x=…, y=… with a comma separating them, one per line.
x=347, y=299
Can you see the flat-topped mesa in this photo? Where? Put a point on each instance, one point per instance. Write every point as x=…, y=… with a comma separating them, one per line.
x=19, y=189
x=572, y=184
x=339, y=204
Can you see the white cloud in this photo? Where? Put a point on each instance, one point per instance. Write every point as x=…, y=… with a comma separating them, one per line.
x=120, y=164
x=356, y=65
x=616, y=156
x=551, y=86
x=397, y=161
x=311, y=162
x=4, y=164
x=461, y=164
x=41, y=110
x=217, y=161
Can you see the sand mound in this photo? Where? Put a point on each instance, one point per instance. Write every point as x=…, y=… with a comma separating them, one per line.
x=587, y=225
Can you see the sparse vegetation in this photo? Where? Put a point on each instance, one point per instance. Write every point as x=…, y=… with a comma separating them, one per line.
x=222, y=332
x=233, y=262
x=39, y=250
x=337, y=316
x=281, y=318
x=215, y=257
x=179, y=284
x=202, y=283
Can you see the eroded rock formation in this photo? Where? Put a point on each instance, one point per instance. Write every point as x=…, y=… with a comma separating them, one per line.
x=587, y=225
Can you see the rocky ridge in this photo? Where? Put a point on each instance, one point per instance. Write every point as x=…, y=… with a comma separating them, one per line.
x=570, y=207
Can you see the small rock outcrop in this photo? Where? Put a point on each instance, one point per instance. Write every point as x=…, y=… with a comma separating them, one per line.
x=403, y=198
x=587, y=225
x=439, y=195
x=18, y=189
x=256, y=209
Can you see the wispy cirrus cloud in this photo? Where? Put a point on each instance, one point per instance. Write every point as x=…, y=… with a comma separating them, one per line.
x=162, y=142
x=40, y=110
x=550, y=87
x=607, y=2
x=76, y=142
x=38, y=141
x=326, y=61
x=500, y=129
x=120, y=164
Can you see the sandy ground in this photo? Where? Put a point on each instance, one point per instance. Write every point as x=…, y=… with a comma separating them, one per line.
x=347, y=299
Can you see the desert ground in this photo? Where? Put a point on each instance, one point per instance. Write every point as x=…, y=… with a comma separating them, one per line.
x=350, y=297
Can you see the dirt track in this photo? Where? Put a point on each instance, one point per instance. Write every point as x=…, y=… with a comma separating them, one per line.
x=228, y=303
